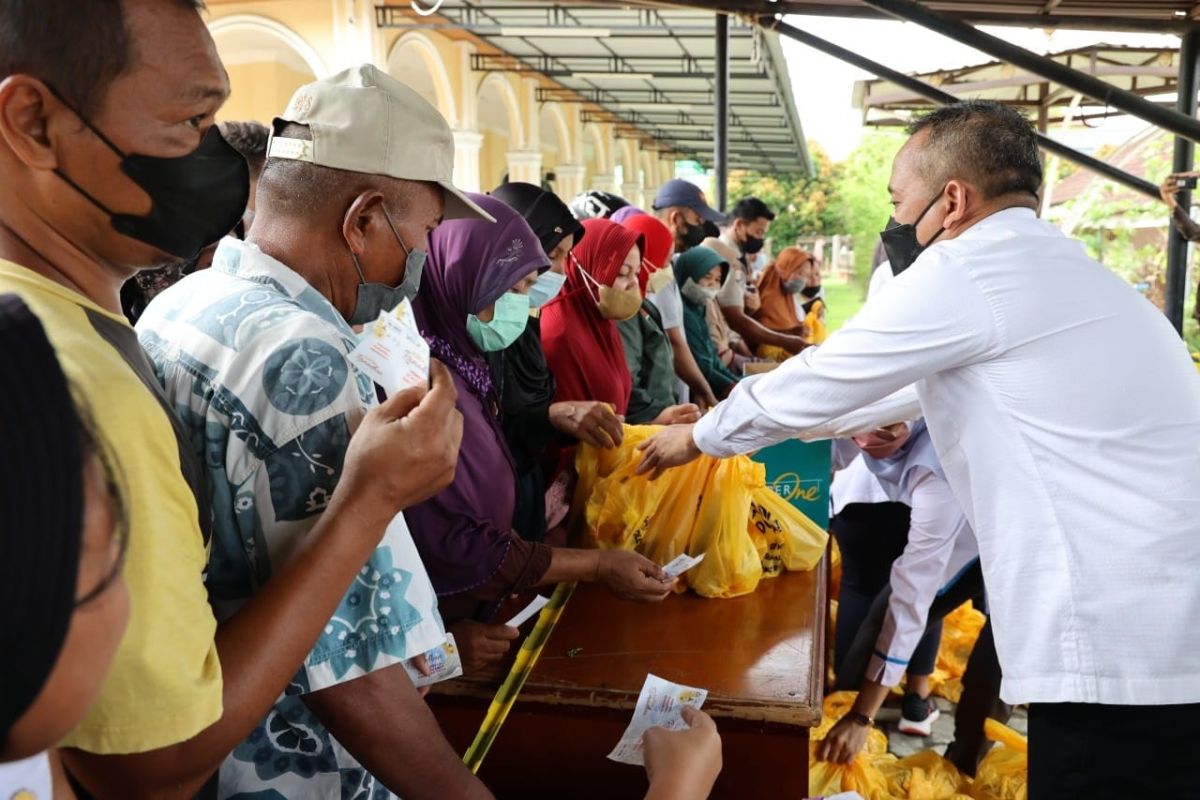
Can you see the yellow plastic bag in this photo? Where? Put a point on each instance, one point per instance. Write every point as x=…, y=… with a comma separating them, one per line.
x=784, y=535
x=731, y=564
x=876, y=774
x=1004, y=772
x=923, y=776
x=772, y=353
x=960, y=631
x=708, y=507
x=818, y=331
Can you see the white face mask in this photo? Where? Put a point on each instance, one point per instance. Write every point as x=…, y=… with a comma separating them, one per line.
x=700, y=295
x=660, y=279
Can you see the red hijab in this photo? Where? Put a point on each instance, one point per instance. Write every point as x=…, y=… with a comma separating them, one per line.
x=584, y=349
x=659, y=241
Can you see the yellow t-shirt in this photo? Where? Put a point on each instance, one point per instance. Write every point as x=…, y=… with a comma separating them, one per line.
x=165, y=683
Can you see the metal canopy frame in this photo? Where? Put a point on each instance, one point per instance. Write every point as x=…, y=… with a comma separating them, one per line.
x=1142, y=16
x=940, y=97
x=651, y=72
x=1145, y=71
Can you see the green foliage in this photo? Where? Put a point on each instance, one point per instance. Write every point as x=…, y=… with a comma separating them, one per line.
x=1118, y=227
x=840, y=198
x=863, y=195
x=803, y=206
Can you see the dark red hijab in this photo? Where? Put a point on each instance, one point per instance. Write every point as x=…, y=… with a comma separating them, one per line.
x=659, y=241
x=584, y=349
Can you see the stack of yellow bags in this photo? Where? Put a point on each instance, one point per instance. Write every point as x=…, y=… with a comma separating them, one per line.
x=722, y=508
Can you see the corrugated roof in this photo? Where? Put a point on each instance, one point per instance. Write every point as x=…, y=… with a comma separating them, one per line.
x=649, y=70
x=1145, y=71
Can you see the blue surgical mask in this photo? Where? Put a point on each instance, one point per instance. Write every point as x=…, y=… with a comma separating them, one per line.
x=506, y=325
x=546, y=288
x=376, y=298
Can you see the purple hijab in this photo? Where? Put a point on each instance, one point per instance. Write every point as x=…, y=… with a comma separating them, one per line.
x=463, y=533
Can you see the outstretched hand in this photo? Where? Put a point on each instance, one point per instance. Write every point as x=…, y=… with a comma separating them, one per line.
x=673, y=446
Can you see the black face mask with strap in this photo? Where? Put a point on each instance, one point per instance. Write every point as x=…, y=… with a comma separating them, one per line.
x=900, y=241
x=195, y=199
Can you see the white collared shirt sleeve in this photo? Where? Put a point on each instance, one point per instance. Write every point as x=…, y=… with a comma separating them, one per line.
x=917, y=575
x=901, y=406
x=924, y=321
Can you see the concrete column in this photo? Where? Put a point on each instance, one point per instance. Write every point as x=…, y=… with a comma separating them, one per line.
x=632, y=191
x=604, y=183
x=467, y=145
x=467, y=86
x=531, y=116
x=570, y=180
x=356, y=39
x=525, y=166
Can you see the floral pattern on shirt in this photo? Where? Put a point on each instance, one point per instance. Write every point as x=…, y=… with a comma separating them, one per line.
x=255, y=364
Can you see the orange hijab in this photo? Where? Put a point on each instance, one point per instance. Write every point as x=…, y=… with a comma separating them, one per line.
x=778, y=310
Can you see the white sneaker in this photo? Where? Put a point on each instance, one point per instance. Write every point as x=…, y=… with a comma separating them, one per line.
x=917, y=715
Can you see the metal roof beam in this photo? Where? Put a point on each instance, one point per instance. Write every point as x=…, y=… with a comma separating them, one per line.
x=1140, y=185
x=979, y=16
x=1168, y=119
x=483, y=21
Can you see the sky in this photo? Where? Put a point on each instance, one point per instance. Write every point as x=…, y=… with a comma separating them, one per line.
x=824, y=86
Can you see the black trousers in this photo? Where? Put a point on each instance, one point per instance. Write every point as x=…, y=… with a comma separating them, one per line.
x=1101, y=752
x=871, y=536
x=981, y=681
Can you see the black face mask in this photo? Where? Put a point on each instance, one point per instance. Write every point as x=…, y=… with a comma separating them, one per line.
x=900, y=241
x=195, y=199
x=691, y=237
x=752, y=245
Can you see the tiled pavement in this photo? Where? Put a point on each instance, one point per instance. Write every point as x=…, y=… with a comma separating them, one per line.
x=943, y=730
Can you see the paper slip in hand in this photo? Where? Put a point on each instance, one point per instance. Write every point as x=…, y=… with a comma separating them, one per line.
x=660, y=705
x=444, y=662
x=681, y=564
x=528, y=611
x=392, y=352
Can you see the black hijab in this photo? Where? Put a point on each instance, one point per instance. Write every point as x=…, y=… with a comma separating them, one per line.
x=521, y=375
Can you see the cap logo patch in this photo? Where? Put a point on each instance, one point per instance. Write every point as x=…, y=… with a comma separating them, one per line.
x=302, y=104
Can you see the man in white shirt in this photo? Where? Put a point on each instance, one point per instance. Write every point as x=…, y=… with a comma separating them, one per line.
x=1067, y=420
x=745, y=231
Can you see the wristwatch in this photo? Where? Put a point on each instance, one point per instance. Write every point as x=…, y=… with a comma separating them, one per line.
x=859, y=718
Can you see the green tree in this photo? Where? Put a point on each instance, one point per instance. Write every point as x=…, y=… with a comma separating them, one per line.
x=804, y=206
x=861, y=191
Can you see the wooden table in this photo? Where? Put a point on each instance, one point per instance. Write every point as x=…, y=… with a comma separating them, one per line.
x=760, y=656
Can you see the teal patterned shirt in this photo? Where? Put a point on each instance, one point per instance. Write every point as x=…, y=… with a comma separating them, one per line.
x=254, y=361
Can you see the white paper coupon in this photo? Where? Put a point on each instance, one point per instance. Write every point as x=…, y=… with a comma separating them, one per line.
x=681, y=564
x=528, y=611
x=392, y=352
x=660, y=705
x=443, y=660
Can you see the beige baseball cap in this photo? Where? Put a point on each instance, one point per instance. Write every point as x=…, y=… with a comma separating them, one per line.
x=364, y=120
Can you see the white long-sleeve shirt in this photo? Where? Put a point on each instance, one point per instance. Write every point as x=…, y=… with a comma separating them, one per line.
x=856, y=483
x=940, y=547
x=1066, y=414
